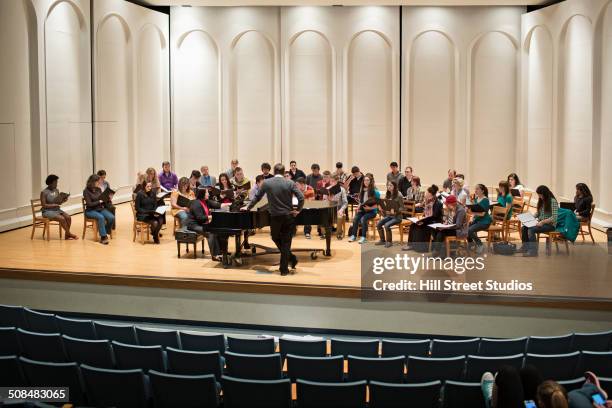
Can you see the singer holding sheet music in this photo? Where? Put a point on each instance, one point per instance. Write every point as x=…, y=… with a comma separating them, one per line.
x=146, y=204
x=95, y=207
x=368, y=208
x=392, y=207
x=51, y=200
x=180, y=200
x=200, y=215
x=546, y=216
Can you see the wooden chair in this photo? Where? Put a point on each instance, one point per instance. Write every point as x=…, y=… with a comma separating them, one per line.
x=587, y=224
x=176, y=225
x=499, y=224
x=449, y=240
x=527, y=198
x=92, y=223
x=519, y=206
x=139, y=227
x=556, y=237
x=404, y=226
x=38, y=221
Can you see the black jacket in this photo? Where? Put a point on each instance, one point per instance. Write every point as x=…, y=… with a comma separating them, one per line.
x=145, y=205
x=197, y=216
x=583, y=206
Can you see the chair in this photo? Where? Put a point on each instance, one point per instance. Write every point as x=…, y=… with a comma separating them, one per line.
x=527, y=198
x=175, y=225
x=96, y=353
x=321, y=369
x=385, y=395
x=404, y=226
x=11, y=373
x=478, y=365
x=592, y=341
x=587, y=224
x=241, y=393
x=157, y=337
x=571, y=385
x=121, y=333
x=422, y=369
x=554, y=237
x=499, y=224
x=42, y=374
x=40, y=322
x=9, y=342
x=254, y=366
x=202, y=342
x=555, y=366
x=606, y=383
x=452, y=348
x=130, y=357
x=458, y=245
x=549, y=345
x=514, y=224
x=42, y=346
x=461, y=395
x=115, y=388
x=384, y=369
x=185, y=391
x=38, y=221
x=331, y=395
x=194, y=362
x=12, y=316
x=361, y=348
x=599, y=362
x=502, y=347
x=311, y=348
x=139, y=227
x=80, y=329
x=418, y=348
x=92, y=223
x=251, y=345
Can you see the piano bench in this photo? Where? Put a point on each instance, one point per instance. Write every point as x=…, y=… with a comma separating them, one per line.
x=187, y=238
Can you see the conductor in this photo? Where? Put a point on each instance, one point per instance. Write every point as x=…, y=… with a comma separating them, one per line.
x=280, y=192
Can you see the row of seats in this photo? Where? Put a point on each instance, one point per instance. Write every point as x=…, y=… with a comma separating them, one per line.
x=402, y=368
x=16, y=316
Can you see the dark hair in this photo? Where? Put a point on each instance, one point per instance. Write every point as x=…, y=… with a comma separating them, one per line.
x=354, y=169
x=509, y=388
x=315, y=166
x=453, y=171
x=371, y=187
x=292, y=162
x=265, y=165
x=433, y=190
x=237, y=169
x=279, y=168
x=196, y=174
x=338, y=165
x=222, y=175
x=394, y=194
x=544, y=204
x=301, y=180
x=165, y=162
x=484, y=189
x=91, y=181
x=515, y=177
x=51, y=178
x=460, y=176
x=101, y=173
x=201, y=193
x=408, y=167
x=531, y=379
x=259, y=178
x=505, y=186
x=417, y=179
x=327, y=173
x=393, y=164
x=552, y=395
x=584, y=190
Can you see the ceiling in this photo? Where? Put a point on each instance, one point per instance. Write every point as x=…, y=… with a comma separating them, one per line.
x=344, y=2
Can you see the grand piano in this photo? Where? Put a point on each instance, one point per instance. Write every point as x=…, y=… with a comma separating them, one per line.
x=239, y=224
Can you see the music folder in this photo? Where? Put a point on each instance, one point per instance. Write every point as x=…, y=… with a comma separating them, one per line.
x=62, y=197
x=161, y=210
x=106, y=195
x=183, y=201
x=515, y=192
x=477, y=208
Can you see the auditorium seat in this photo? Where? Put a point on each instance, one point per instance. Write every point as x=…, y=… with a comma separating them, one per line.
x=592, y=341
x=462, y=395
x=386, y=395
x=96, y=353
x=502, y=347
x=78, y=329
x=549, y=345
x=320, y=369
x=555, y=366
x=42, y=346
x=574, y=384
x=157, y=337
x=393, y=348
x=452, y=348
x=361, y=348
x=384, y=369
x=9, y=342
x=425, y=369
x=12, y=316
x=202, y=342
x=606, y=384
x=251, y=345
x=11, y=373
x=478, y=365
x=312, y=394
x=253, y=366
x=241, y=393
x=310, y=348
x=128, y=356
x=185, y=362
x=40, y=322
x=115, y=388
x=43, y=374
x=122, y=333
x=599, y=362
x=185, y=391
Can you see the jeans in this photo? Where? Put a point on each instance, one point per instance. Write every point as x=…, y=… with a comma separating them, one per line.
x=530, y=239
x=473, y=231
x=362, y=218
x=105, y=220
x=183, y=216
x=384, y=227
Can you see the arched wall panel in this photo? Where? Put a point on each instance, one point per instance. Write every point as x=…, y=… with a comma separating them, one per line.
x=605, y=192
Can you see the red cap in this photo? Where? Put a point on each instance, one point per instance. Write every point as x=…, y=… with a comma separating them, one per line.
x=451, y=199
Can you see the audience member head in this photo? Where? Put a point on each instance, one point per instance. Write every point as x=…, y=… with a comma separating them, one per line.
x=452, y=174
x=195, y=175
x=408, y=172
x=140, y=178
x=234, y=163
x=394, y=167
x=369, y=184
x=355, y=171
x=415, y=182
x=451, y=201
x=202, y=194
x=224, y=180
x=508, y=388
x=339, y=166
x=334, y=179
x=458, y=183
x=51, y=181
x=514, y=180
x=431, y=192
x=531, y=379
x=204, y=170
x=582, y=190
x=238, y=174
x=504, y=188
x=288, y=175
x=544, y=198
x=391, y=189
x=183, y=185
x=315, y=169
x=265, y=168
x=279, y=168
x=550, y=394
x=259, y=180
x=93, y=182
x=481, y=190
x=148, y=187
x=101, y=174
x=151, y=175
x=301, y=183
x=326, y=176
x=166, y=167
x=293, y=165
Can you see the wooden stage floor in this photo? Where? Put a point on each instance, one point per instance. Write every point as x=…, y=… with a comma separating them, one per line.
x=124, y=262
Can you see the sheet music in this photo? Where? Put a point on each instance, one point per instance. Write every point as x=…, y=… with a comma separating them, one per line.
x=527, y=219
x=162, y=209
x=439, y=225
x=413, y=220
